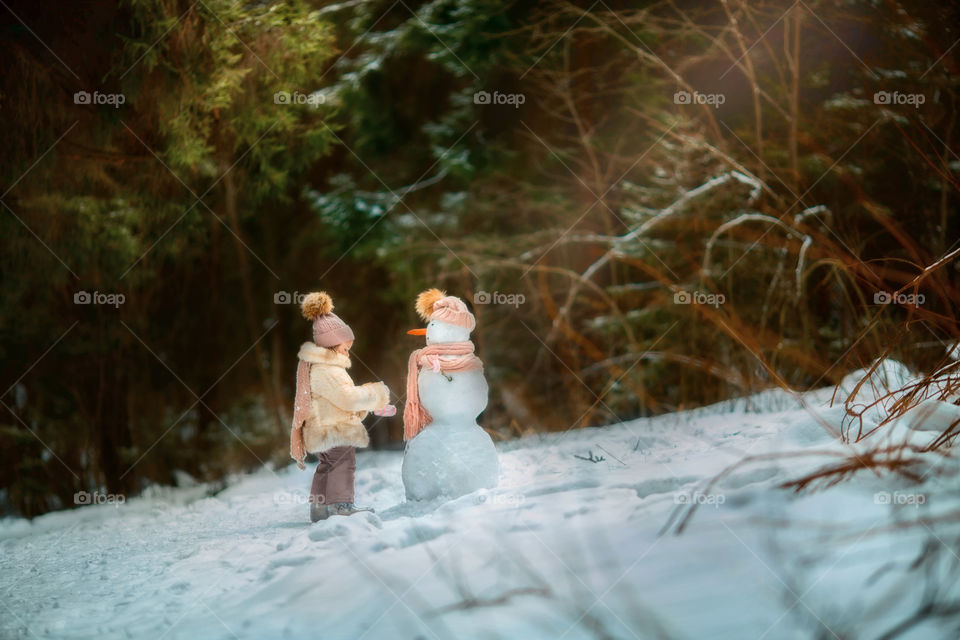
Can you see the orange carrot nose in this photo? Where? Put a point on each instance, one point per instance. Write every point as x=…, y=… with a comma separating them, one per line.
x=417, y=332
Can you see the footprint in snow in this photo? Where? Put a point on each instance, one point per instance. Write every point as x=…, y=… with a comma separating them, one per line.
x=345, y=526
x=327, y=530
x=409, y=536
x=179, y=587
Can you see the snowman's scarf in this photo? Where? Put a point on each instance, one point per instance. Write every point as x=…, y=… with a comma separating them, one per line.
x=415, y=417
x=302, y=406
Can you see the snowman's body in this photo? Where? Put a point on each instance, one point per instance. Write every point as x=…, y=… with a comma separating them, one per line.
x=453, y=455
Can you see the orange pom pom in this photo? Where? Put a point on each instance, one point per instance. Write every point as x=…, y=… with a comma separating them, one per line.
x=426, y=300
x=316, y=304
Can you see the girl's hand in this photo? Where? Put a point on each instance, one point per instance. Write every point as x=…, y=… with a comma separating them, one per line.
x=386, y=412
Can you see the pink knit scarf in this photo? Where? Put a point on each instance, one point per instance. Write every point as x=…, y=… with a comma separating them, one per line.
x=302, y=406
x=415, y=417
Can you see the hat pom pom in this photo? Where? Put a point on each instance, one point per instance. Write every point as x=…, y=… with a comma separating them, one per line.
x=316, y=304
x=426, y=300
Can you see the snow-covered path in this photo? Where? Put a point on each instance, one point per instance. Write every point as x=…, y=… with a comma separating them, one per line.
x=564, y=548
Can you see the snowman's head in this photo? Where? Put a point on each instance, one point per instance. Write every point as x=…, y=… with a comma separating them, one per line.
x=448, y=318
x=439, y=332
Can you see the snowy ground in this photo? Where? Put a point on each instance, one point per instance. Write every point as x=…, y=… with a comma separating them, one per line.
x=564, y=548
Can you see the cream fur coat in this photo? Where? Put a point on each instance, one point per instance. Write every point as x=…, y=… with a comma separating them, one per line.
x=338, y=405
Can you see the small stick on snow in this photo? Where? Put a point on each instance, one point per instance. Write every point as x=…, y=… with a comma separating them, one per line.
x=590, y=457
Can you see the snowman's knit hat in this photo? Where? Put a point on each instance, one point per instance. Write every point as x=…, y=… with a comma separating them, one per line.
x=434, y=304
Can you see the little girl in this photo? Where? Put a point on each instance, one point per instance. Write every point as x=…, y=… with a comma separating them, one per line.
x=328, y=410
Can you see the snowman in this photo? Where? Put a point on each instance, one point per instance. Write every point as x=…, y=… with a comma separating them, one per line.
x=447, y=454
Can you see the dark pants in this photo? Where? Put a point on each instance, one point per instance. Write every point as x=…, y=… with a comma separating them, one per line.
x=333, y=479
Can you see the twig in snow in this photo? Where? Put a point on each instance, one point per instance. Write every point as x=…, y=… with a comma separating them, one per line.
x=590, y=457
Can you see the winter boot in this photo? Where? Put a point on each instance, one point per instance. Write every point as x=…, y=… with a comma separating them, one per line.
x=346, y=509
x=319, y=511
x=323, y=511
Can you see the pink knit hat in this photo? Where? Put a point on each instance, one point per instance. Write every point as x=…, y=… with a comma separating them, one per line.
x=328, y=329
x=434, y=304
